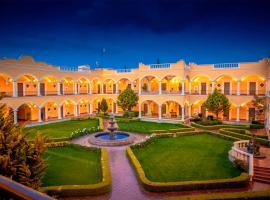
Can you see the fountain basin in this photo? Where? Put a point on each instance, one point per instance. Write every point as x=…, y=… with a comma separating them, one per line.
x=104, y=139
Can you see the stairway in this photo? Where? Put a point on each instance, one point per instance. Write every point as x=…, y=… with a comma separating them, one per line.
x=261, y=174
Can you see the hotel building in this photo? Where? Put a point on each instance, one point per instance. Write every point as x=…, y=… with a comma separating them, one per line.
x=38, y=92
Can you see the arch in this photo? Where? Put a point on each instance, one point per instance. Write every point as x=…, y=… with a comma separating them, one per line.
x=48, y=86
x=83, y=77
x=201, y=75
x=96, y=86
x=171, y=75
x=253, y=84
x=150, y=108
x=49, y=111
x=150, y=75
x=27, y=113
x=67, y=100
x=109, y=86
x=201, y=84
x=123, y=83
x=226, y=84
x=124, y=78
x=171, y=110
x=25, y=74
x=68, y=108
x=171, y=84
x=6, y=85
x=83, y=107
x=224, y=75
x=83, y=85
x=149, y=86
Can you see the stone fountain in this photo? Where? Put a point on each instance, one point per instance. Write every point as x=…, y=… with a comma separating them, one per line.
x=111, y=127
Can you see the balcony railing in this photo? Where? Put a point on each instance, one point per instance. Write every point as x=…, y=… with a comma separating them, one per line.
x=171, y=92
x=226, y=65
x=149, y=92
x=124, y=70
x=160, y=66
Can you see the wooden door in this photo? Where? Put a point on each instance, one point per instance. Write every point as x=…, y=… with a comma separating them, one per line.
x=203, y=88
x=42, y=89
x=99, y=89
x=227, y=87
x=114, y=88
x=145, y=109
x=20, y=89
x=203, y=111
x=252, y=88
x=251, y=114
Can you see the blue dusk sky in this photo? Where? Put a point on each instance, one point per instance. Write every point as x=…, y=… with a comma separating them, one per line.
x=118, y=33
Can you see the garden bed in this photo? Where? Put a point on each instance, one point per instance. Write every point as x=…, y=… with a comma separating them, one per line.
x=201, y=162
x=74, y=170
x=214, y=127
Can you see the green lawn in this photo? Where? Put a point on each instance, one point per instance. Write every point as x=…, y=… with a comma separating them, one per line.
x=187, y=158
x=62, y=129
x=71, y=165
x=146, y=127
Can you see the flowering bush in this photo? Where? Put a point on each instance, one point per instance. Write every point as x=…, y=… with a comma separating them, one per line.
x=84, y=131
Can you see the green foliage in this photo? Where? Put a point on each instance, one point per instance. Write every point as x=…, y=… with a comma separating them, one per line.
x=131, y=114
x=206, y=122
x=260, y=105
x=217, y=103
x=103, y=106
x=127, y=99
x=20, y=159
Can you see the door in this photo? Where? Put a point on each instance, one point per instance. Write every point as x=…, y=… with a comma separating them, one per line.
x=104, y=89
x=145, y=109
x=114, y=107
x=42, y=89
x=203, y=88
x=227, y=87
x=252, y=88
x=61, y=88
x=99, y=89
x=163, y=87
x=20, y=89
x=114, y=88
x=251, y=114
x=43, y=114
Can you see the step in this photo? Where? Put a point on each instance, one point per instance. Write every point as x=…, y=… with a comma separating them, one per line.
x=262, y=173
x=261, y=177
x=265, y=169
x=261, y=180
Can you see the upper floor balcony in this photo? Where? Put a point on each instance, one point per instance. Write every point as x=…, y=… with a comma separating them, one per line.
x=27, y=85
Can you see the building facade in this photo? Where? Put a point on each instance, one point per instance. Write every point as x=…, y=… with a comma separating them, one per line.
x=39, y=92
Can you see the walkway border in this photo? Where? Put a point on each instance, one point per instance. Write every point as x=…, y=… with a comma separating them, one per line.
x=84, y=190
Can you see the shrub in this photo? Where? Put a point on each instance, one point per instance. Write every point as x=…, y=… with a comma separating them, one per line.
x=256, y=126
x=103, y=115
x=210, y=117
x=255, y=122
x=207, y=122
x=85, y=131
x=131, y=114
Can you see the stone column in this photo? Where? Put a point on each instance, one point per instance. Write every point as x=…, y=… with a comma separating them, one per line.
x=190, y=87
x=90, y=109
x=183, y=113
x=75, y=110
x=238, y=114
x=183, y=87
x=159, y=112
x=213, y=86
x=15, y=94
x=238, y=87
x=89, y=89
x=189, y=111
x=116, y=108
x=75, y=88
x=160, y=88
x=58, y=88
x=39, y=89
x=102, y=88
x=78, y=110
x=39, y=115
x=15, y=119
x=59, y=112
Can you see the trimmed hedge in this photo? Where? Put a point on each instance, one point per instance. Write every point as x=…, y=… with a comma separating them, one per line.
x=239, y=181
x=214, y=127
x=57, y=144
x=83, y=190
x=256, y=126
x=231, y=195
x=177, y=130
x=242, y=134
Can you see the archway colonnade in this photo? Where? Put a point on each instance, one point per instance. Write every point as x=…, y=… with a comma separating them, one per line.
x=30, y=85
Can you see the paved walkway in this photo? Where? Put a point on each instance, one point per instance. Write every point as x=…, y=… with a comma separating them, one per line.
x=125, y=184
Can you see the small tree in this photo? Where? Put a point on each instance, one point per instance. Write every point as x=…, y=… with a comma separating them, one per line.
x=260, y=105
x=20, y=159
x=217, y=103
x=127, y=99
x=103, y=106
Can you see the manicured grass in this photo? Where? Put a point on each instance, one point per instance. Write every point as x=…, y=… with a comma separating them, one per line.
x=187, y=158
x=71, y=165
x=62, y=129
x=146, y=127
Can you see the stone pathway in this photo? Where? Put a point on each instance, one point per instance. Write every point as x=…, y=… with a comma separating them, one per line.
x=125, y=184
